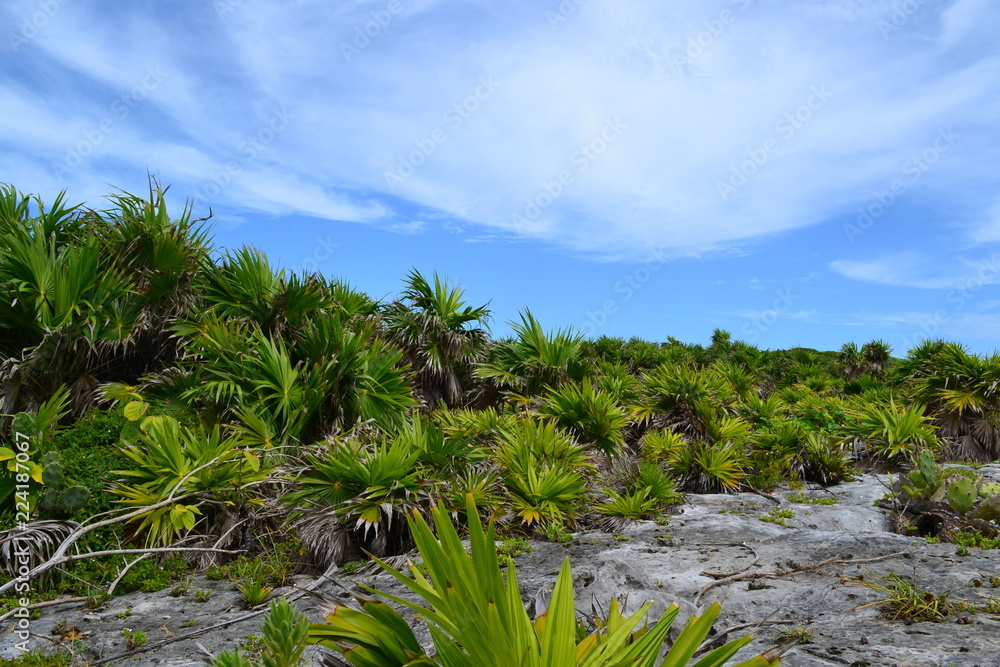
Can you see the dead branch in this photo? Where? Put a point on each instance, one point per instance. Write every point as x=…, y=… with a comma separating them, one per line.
x=121, y=575
x=723, y=575
x=785, y=573
x=719, y=638
x=171, y=640
x=58, y=558
x=41, y=605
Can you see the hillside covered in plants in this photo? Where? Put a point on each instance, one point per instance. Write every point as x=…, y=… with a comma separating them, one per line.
x=161, y=393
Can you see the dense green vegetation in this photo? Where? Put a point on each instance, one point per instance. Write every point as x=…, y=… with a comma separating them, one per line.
x=146, y=368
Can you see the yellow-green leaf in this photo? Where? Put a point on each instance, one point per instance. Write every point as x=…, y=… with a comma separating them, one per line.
x=252, y=460
x=134, y=410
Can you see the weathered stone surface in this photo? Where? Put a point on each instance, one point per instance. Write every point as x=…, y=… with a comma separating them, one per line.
x=667, y=564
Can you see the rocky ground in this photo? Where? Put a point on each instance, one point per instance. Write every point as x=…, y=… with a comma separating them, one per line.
x=683, y=562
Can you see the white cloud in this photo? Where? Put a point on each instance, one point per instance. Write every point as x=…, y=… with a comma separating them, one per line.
x=912, y=269
x=694, y=109
x=410, y=228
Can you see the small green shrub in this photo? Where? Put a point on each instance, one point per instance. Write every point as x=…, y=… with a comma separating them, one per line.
x=807, y=500
x=802, y=634
x=39, y=658
x=778, y=516
x=285, y=637
x=134, y=638
x=254, y=592
x=556, y=532
x=514, y=546
x=905, y=600
x=976, y=539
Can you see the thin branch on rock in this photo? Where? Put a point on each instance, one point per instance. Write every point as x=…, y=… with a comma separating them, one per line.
x=720, y=637
x=41, y=605
x=723, y=575
x=785, y=573
x=58, y=558
x=171, y=640
x=121, y=575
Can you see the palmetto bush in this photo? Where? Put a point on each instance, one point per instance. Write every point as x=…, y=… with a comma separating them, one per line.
x=644, y=488
x=534, y=359
x=823, y=459
x=476, y=617
x=662, y=445
x=891, y=434
x=442, y=338
x=172, y=461
x=757, y=410
x=962, y=393
x=544, y=471
x=355, y=494
x=590, y=414
x=483, y=426
x=684, y=398
x=327, y=380
x=617, y=380
x=703, y=467
x=89, y=294
x=788, y=449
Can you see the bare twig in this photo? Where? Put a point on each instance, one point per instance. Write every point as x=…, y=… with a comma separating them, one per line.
x=171, y=640
x=58, y=557
x=720, y=637
x=257, y=611
x=121, y=575
x=722, y=575
x=41, y=605
x=785, y=573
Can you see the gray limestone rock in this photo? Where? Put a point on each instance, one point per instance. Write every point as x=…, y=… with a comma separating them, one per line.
x=710, y=536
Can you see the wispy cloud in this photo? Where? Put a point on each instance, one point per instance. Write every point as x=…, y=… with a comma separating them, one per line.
x=693, y=113
x=912, y=269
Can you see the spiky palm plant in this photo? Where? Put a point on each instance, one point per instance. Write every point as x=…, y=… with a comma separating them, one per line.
x=355, y=493
x=442, y=337
x=477, y=619
x=170, y=461
x=684, y=398
x=544, y=472
x=92, y=293
x=590, y=414
x=709, y=468
x=892, y=434
x=962, y=393
x=534, y=359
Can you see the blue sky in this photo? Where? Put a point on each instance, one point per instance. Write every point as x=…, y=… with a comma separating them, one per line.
x=798, y=173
